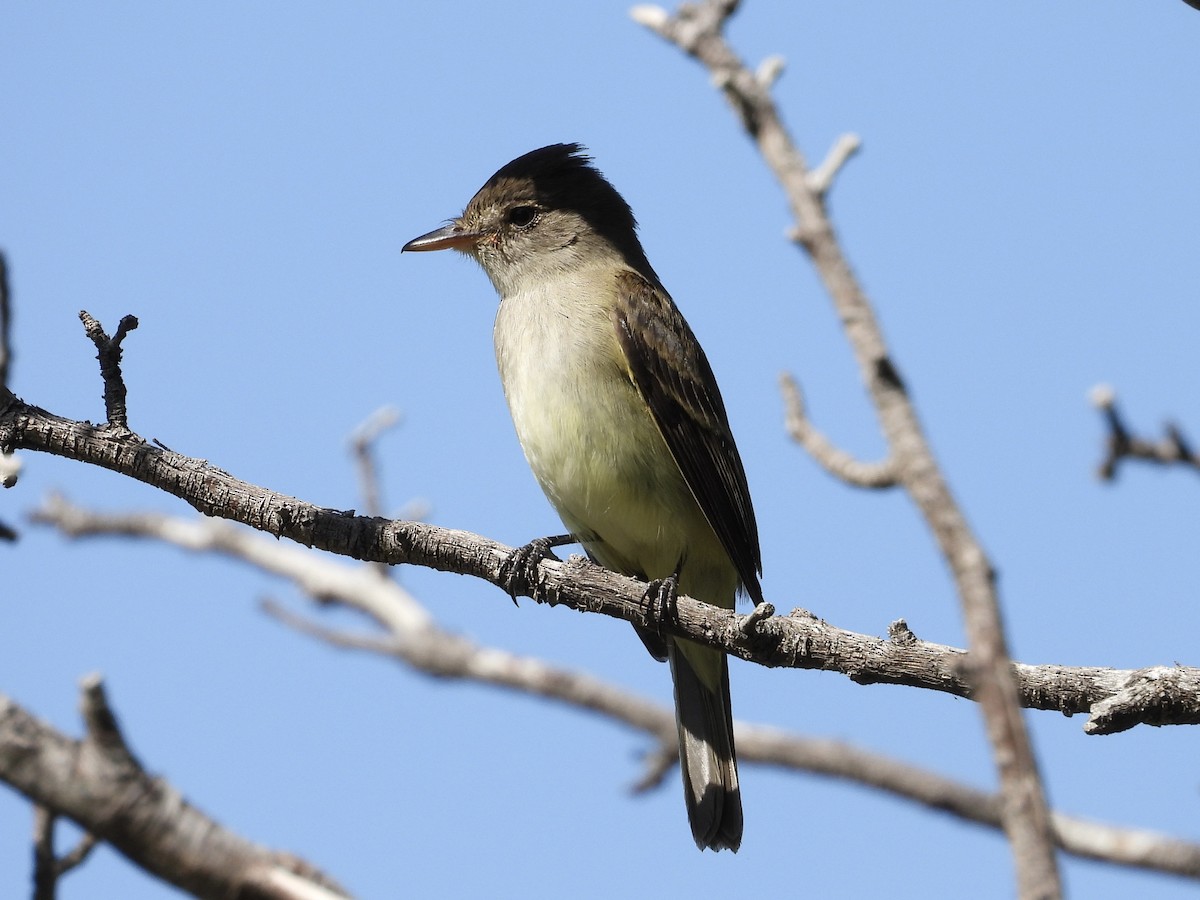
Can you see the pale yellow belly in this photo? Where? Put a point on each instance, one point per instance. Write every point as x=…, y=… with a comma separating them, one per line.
x=598, y=455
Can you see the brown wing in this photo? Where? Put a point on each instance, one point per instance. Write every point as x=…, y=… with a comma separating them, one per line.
x=671, y=372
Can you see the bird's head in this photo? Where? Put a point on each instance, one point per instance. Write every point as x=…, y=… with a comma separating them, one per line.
x=543, y=213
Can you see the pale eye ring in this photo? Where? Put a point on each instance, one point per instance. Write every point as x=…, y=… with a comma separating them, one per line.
x=522, y=216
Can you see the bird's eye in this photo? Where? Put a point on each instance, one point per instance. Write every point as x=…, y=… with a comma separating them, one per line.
x=521, y=216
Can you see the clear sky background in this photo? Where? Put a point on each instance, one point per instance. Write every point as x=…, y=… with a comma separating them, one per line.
x=241, y=177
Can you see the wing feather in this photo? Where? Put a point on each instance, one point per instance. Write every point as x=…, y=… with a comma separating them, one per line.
x=669, y=369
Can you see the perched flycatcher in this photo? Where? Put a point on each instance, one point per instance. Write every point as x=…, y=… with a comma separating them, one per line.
x=620, y=418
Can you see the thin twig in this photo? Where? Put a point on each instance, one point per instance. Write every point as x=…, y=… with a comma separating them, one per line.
x=344, y=640
x=109, y=353
x=45, y=869
x=48, y=868
x=362, y=445
x=822, y=177
x=837, y=462
x=78, y=854
x=1120, y=444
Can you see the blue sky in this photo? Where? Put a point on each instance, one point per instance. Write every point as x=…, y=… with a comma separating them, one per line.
x=241, y=177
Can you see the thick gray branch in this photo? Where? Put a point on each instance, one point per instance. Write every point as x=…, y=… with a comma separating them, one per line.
x=97, y=782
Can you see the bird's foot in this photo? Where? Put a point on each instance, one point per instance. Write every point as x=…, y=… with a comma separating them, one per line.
x=661, y=598
x=519, y=572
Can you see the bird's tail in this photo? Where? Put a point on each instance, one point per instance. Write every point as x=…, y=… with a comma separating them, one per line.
x=706, y=754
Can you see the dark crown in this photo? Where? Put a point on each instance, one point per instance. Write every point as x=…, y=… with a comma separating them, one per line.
x=561, y=176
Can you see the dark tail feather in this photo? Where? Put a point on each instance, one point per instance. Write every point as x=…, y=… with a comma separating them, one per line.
x=706, y=754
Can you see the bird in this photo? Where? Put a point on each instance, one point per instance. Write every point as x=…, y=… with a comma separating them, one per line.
x=620, y=418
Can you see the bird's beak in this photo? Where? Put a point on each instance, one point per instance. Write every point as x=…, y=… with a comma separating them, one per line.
x=452, y=236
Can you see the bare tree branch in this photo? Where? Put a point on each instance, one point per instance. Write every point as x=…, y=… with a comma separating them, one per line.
x=45, y=863
x=1172, y=449
x=837, y=759
x=838, y=463
x=820, y=179
x=48, y=868
x=99, y=783
x=408, y=634
x=798, y=640
x=698, y=30
x=109, y=353
x=362, y=445
x=10, y=466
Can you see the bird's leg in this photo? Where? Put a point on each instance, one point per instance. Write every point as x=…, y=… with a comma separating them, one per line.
x=661, y=596
x=518, y=573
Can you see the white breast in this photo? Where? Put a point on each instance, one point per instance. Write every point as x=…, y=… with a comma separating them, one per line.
x=587, y=434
